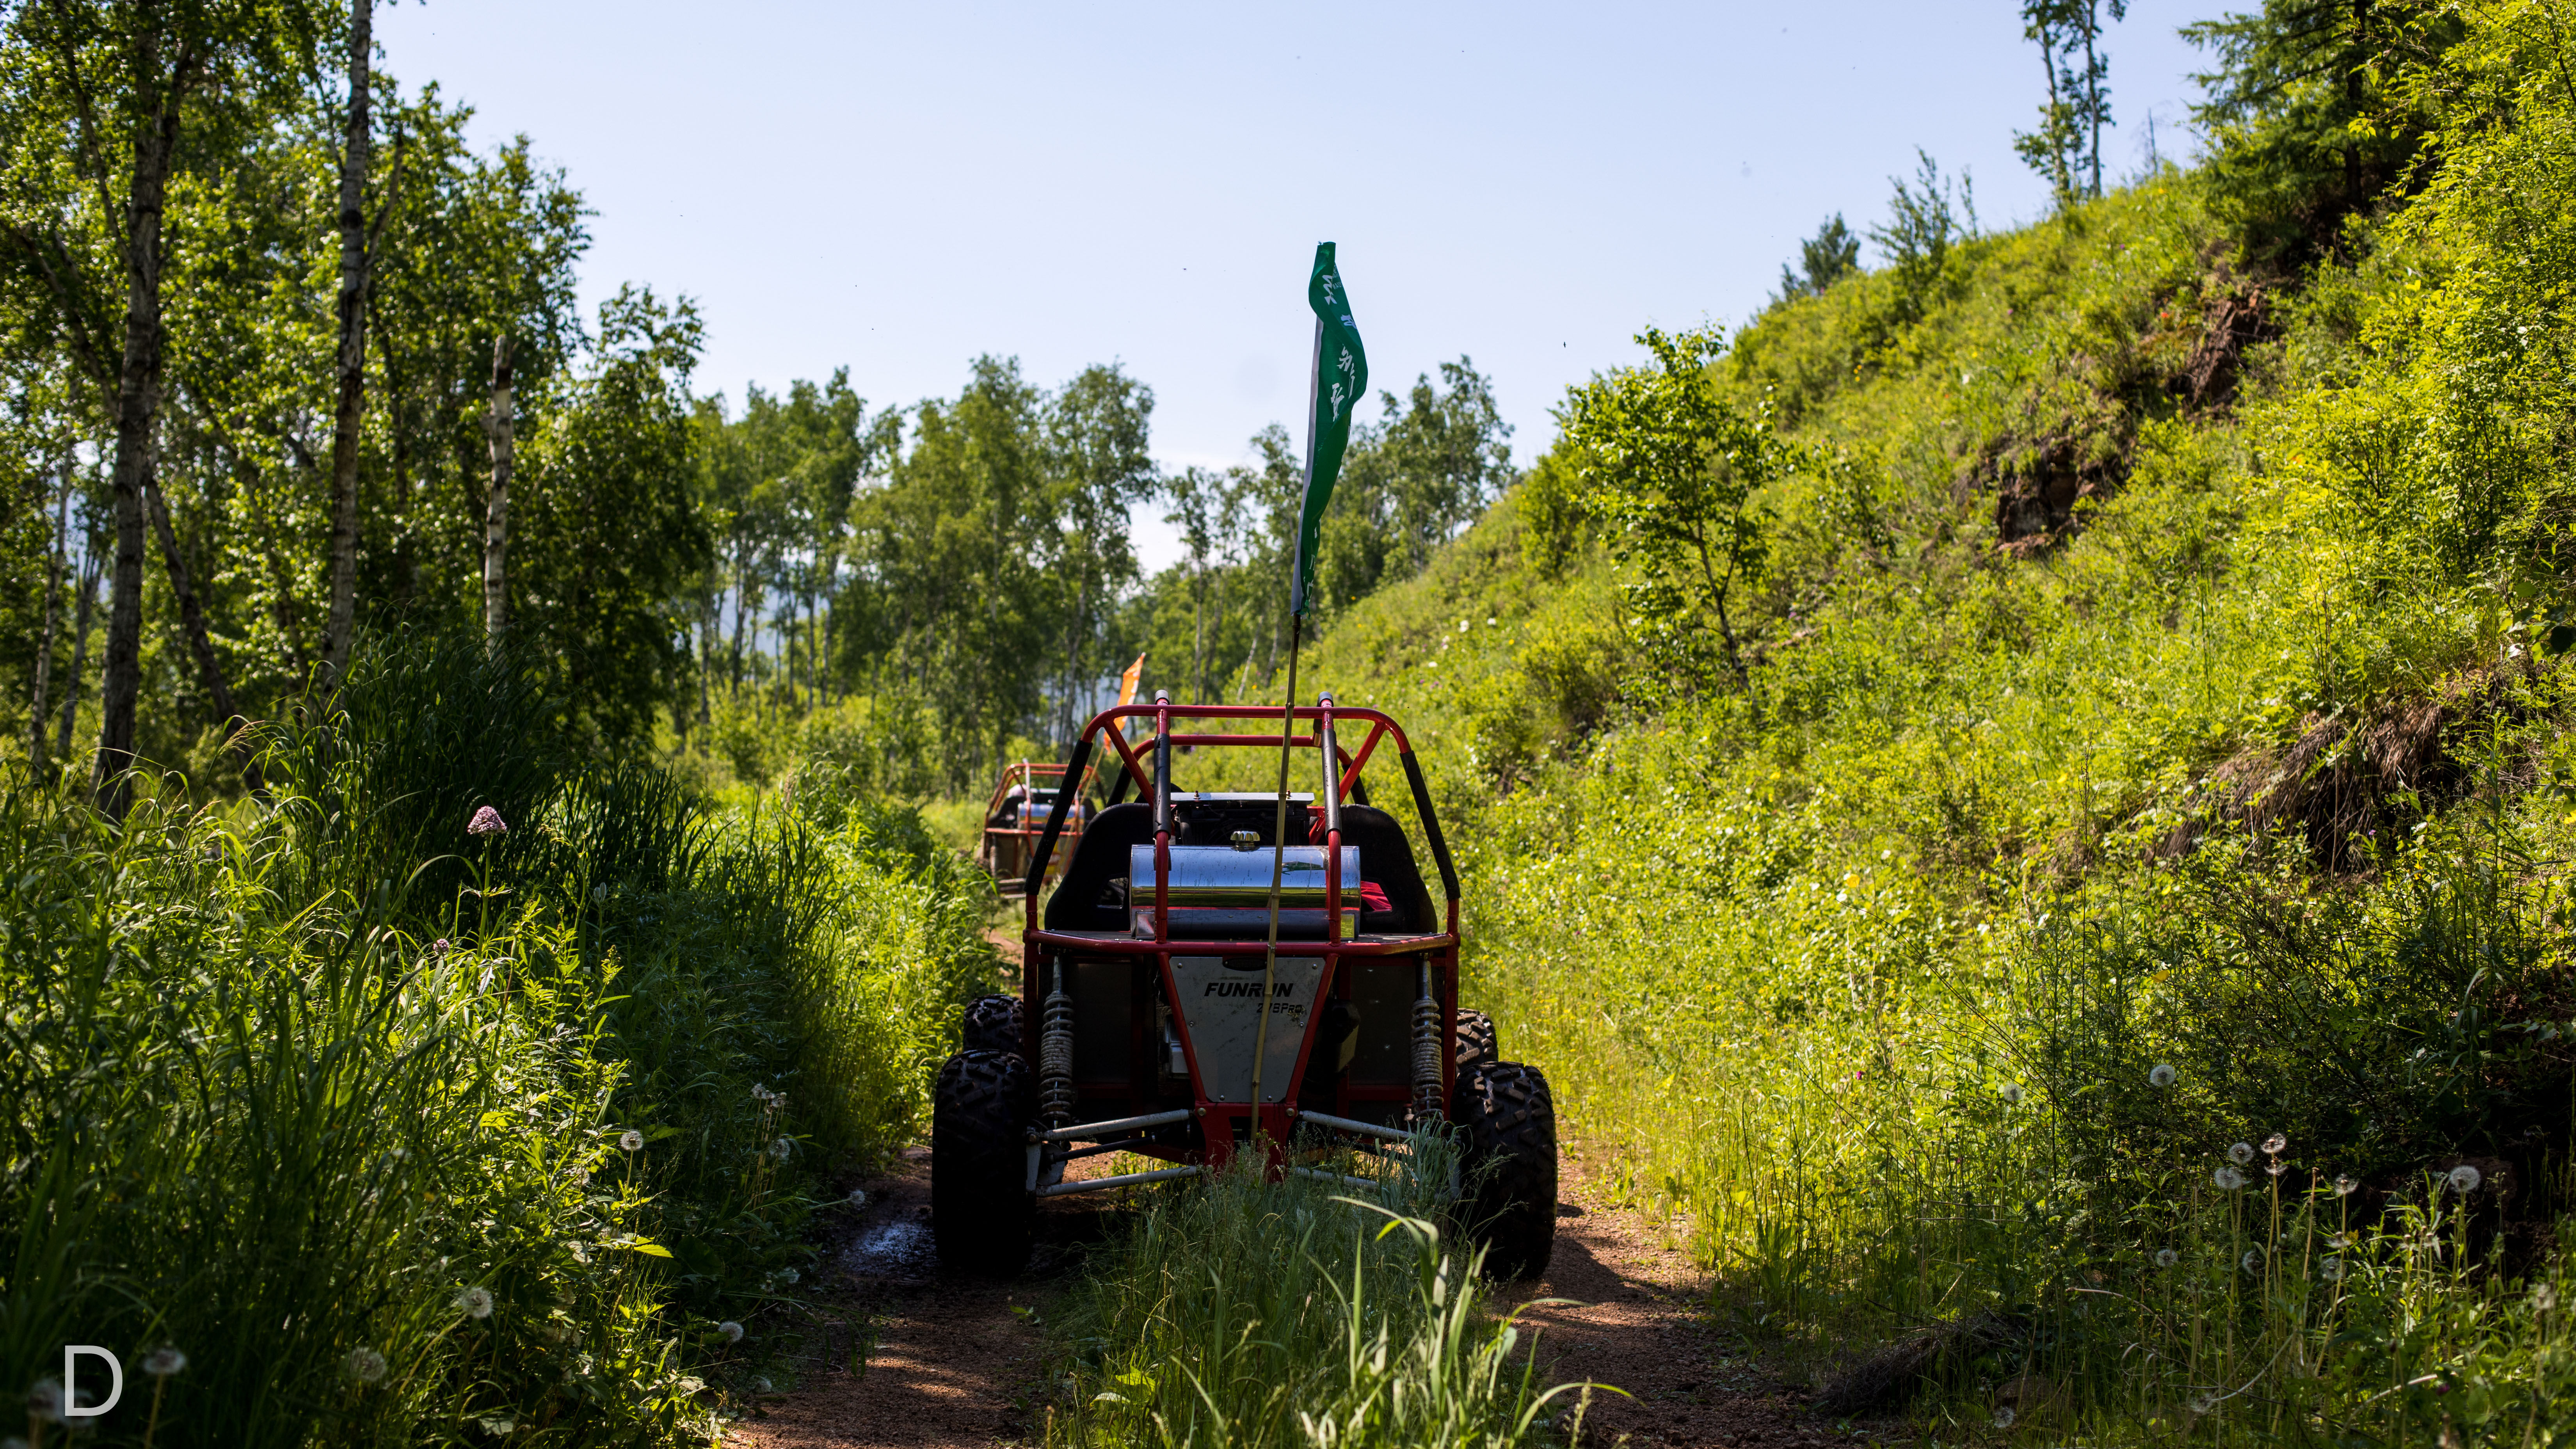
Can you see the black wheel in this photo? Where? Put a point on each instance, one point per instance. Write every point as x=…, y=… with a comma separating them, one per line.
x=980, y=1210
x=1476, y=1040
x=992, y=1025
x=1508, y=1121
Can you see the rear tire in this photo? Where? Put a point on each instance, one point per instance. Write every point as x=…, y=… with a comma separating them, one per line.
x=993, y=1024
x=1476, y=1039
x=1508, y=1118
x=980, y=1210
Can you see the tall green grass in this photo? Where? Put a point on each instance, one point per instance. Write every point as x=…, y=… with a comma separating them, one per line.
x=1239, y=1312
x=402, y=1136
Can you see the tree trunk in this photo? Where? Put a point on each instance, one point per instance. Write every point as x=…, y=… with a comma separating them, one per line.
x=138, y=412
x=36, y=763
x=353, y=354
x=192, y=611
x=501, y=427
x=80, y=647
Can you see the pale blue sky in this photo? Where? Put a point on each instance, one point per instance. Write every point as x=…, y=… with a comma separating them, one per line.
x=896, y=189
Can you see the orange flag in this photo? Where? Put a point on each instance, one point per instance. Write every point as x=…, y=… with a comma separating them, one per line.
x=1127, y=682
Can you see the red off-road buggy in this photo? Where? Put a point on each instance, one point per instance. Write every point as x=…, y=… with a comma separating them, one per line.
x=1138, y=1013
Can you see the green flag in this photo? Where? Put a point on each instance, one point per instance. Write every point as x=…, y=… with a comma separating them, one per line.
x=1339, y=381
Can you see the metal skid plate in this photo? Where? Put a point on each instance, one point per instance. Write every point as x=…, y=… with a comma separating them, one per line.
x=1220, y=1007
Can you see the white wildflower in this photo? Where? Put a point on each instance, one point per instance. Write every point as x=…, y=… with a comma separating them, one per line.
x=731, y=1330
x=2241, y=1154
x=365, y=1365
x=2167, y=1257
x=474, y=1302
x=2464, y=1179
x=2162, y=1076
x=162, y=1362
x=2228, y=1179
x=631, y=1140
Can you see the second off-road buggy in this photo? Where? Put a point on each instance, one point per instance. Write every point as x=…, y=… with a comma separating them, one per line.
x=1141, y=1002
x=1023, y=801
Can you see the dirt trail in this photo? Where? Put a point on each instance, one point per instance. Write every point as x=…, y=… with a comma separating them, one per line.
x=1638, y=1321
x=955, y=1363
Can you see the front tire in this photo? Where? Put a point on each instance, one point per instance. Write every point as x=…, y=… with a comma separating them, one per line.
x=1477, y=1043
x=981, y=1214
x=992, y=1024
x=1508, y=1120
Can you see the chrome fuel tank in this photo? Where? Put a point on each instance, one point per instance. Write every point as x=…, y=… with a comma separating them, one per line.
x=1219, y=893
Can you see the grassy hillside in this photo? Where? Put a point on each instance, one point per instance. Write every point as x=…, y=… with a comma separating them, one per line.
x=2154, y=745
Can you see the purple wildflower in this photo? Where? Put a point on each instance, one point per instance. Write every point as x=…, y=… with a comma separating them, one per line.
x=487, y=821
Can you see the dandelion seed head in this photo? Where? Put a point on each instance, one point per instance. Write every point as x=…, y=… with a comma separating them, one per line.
x=2162, y=1076
x=2010, y=1092
x=2276, y=1167
x=2331, y=1270
x=2203, y=1403
x=631, y=1140
x=365, y=1365
x=474, y=1302
x=598, y=894
x=162, y=1362
x=2276, y=1144
x=2252, y=1262
x=2004, y=1417
x=731, y=1330
x=780, y=1148
x=2544, y=1296
x=759, y=1385
x=45, y=1401
x=788, y=1275
x=2167, y=1257
x=2345, y=1186
x=858, y=1197
x=487, y=821
x=2228, y=1179
x=2464, y=1179
x=2241, y=1154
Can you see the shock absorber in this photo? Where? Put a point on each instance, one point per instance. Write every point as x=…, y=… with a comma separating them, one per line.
x=1426, y=1052
x=1055, y=1055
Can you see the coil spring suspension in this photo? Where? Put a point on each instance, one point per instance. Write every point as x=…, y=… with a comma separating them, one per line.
x=1426, y=1053
x=1055, y=1056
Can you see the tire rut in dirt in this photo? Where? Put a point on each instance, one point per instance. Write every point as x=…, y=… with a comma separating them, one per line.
x=1508, y=1118
x=979, y=1203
